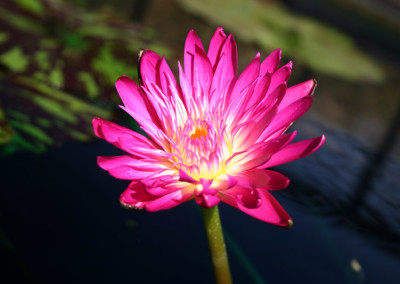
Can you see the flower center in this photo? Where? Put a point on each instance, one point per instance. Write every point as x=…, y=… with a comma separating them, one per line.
x=199, y=131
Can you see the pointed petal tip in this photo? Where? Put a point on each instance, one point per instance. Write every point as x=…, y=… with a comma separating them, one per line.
x=323, y=138
x=314, y=87
x=278, y=52
x=123, y=78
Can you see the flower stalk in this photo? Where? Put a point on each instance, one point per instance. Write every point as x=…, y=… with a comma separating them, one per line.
x=216, y=245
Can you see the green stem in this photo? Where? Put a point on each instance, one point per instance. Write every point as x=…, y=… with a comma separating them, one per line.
x=216, y=244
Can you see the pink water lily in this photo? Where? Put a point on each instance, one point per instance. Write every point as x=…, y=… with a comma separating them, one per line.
x=213, y=135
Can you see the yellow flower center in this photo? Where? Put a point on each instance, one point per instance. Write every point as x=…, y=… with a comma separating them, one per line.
x=199, y=131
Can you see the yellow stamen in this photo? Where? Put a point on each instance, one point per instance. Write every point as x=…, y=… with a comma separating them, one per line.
x=199, y=132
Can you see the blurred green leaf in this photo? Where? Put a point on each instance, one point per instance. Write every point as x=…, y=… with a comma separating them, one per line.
x=6, y=131
x=3, y=37
x=34, y=6
x=271, y=26
x=15, y=59
x=111, y=67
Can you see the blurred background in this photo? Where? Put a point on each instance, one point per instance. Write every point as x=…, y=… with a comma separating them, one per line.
x=60, y=220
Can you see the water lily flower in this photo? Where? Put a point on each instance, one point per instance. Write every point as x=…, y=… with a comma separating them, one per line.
x=213, y=135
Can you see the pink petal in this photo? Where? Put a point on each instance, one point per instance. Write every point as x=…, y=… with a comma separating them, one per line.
x=244, y=194
x=155, y=133
x=260, y=92
x=271, y=63
x=250, y=131
x=130, y=168
x=121, y=137
x=286, y=117
x=166, y=78
x=207, y=200
x=258, y=154
x=223, y=182
x=298, y=92
x=249, y=74
x=187, y=90
x=266, y=179
x=183, y=176
x=202, y=73
x=281, y=76
x=193, y=45
x=149, y=63
x=225, y=72
x=137, y=197
x=269, y=210
x=135, y=100
x=216, y=42
x=169, y=201
x=295, y=151
x=276, y=96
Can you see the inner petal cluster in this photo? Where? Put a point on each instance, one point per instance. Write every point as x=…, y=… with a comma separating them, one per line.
x=200, y=148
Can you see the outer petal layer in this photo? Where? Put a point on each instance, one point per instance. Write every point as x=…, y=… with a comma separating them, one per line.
x=137, y=197
x=269, y=211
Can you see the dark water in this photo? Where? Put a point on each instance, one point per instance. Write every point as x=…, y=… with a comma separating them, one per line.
x=60, y=213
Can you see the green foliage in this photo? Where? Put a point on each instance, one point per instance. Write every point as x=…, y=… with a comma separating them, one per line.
x=59, y=64
x=90, y=84
x=21, y=22
x=271, y=26
x=56, y=76
x=42, y=59
x=15, y=59
x=34, y=6
x=3, y=37
x=6, y=131
x=110, y=67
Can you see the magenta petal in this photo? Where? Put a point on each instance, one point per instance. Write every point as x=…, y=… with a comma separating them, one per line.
x=202, y=74
x=166, y=78
x=119, y=136
x=207, y=200
x=149, y=63
x=135, y=99
x=183, y=176
x=244, y=194
x=249, y=74
x=277, y=181
x=192, y=45
x=271, y=63
x=259, y=93
x=168, y=201
x=129, y=168
x=216, y=42
x=135, y=196
x=281, y=76
x=266, y=179
x=298, y=92
x=269, y=211
x=225, y=72
x=295, y=151
x=107, y=163
x=258, y=154
x=287, y=116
